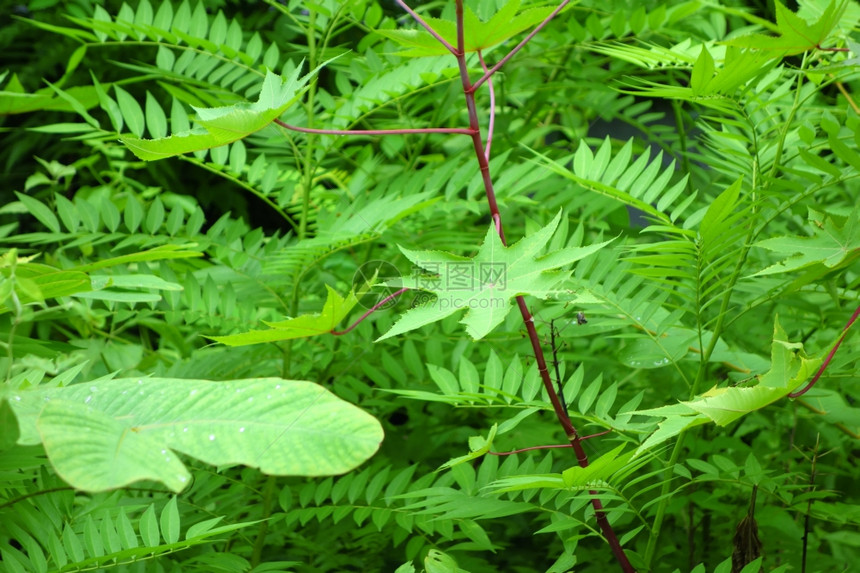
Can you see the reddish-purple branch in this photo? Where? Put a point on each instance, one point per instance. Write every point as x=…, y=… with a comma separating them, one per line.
x=460, y=130
x=492, y=124
x=427, y=27
x=512, y=452
x=369, y=312
x=519, y=46
x=481, y=155
x=551, y=446
x=827, y=360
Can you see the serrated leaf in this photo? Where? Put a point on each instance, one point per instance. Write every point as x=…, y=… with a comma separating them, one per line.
x=505, y=23
x=725, y=405
x=335, y=309
x=830, y=245
x=486, y=285
x=222, y=125
x=796, y=35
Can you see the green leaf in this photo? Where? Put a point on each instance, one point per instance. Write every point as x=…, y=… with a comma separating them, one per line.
x=108, y=104
x=67, y=212
x=600, y=469
x=40, y=211
x=478, y=446
x=335, y=309
x=830, y=245
x=131, y=111
x=9, y=432
x=222, y=125
x=486, y=285
x=148, y=526
x=703, y=71
x=156, y=120
x=719, y=212
x=135, y=428
x=36, y=282
x=77, y=105
x=724, y=405
x=163, y=252
x=505, y=23
x=438, y=562
x=796, y=35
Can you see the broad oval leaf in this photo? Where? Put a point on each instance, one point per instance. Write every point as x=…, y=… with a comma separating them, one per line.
x=104, y=435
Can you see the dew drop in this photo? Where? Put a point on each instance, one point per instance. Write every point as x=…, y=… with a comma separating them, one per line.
x=125, y=391
x=192, y=393
x=241, y=430
x=185, y=429
x=251, y=399
x=87, y=401
x=211, y=437
x=183, y=479
x=17, y=398
x=140, y=381
x=278, y=387
x=94, y=389
x=163, y=451
x=269, y=396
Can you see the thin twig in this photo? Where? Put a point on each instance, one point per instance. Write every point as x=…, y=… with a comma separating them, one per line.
x=829, y=357
x=481, y=155
x=427, y=27
x=519, y=46
x=492, y=123
x=369, y=312
x=551, y=446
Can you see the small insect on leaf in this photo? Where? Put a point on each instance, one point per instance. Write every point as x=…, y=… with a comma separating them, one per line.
x=580, y=318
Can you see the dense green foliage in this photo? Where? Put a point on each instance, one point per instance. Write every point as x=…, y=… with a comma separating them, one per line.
x=678, y=185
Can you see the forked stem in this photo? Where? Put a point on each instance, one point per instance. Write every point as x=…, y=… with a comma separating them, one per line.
x=482, y=156
x=482, y=153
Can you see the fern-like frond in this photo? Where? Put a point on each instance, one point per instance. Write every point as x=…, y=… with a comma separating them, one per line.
x=644, y=183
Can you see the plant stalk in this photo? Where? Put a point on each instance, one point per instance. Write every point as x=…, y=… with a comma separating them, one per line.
x=481, y=155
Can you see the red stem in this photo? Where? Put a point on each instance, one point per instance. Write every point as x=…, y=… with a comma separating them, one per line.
x=369, y=312
x=492, y=125
x=549, y=447
x=827, y=360
x=488, y=74
x=482, y=155
x=528, y=319
x=427, y=27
